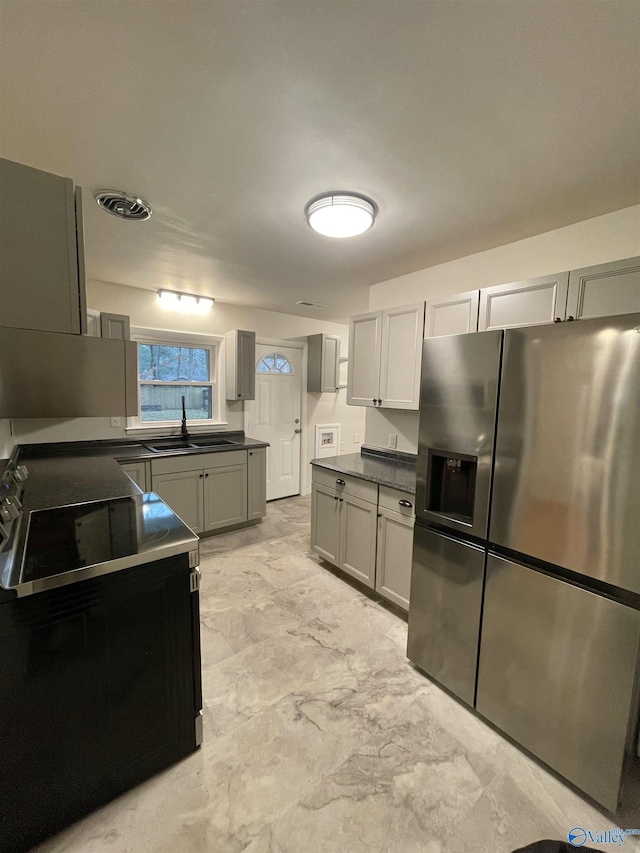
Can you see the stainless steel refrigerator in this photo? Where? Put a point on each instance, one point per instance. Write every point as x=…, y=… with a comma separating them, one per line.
x=525, y=591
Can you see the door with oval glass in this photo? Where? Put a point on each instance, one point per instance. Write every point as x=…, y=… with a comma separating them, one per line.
x=274, y=415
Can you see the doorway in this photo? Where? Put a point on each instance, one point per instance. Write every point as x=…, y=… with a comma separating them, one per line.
x=275, y=414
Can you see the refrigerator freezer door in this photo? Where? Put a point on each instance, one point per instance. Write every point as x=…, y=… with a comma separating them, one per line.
x=444, y=616
x=458, y=400
x=567, y=484
x=556, y=673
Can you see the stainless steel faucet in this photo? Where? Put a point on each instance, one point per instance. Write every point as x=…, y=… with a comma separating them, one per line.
x=185, y=433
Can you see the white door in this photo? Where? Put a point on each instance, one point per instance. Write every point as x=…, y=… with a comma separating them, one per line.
x=274, y=416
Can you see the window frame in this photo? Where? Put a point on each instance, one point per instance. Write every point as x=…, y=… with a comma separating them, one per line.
x=162, y=337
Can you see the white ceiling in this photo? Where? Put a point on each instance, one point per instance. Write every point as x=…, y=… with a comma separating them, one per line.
x=471, y=123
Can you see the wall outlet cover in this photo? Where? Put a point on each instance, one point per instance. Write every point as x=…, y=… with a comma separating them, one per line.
x=393, y=440
x=356, y=438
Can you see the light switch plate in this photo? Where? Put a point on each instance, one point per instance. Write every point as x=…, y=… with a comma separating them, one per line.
x=393, y=440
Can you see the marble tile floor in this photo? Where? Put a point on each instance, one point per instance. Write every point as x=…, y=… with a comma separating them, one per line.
x=319, y=735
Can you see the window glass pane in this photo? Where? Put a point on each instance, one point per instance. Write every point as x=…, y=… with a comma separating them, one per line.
x=274, y=363
x=173, y=363
x=164, y=402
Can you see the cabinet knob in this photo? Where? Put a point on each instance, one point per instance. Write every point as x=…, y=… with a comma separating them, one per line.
x=570, y=318
x=340, y=499
x=297, y=430
x=374, y=401
x=201, y=476
x=379, y=401
x=206, y=475
x=379, y=515
x=251, y=453
x=341, y=482
x=406, y=503
x=557, y=320
x=336, y=498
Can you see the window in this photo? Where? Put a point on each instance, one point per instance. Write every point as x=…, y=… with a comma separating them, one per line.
x=274, y=363
x=172, y=366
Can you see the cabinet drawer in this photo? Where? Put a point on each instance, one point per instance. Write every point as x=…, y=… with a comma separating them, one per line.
x=354, y=486
x=391, y=498
x=198, y=461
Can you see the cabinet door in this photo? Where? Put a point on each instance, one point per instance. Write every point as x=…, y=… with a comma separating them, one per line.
x=524, y=303
x=116, y=326
x=401, y=356
x=240, y=365
x=605, y=290
x=136, y=471
x=225, y=496
x=183, y=492
x=358, y=539
x=39, y=285
x=325, y=523
x=323, y=363
x=457, y=316
x=365, y=342
x=393, y=564
x=257, y=483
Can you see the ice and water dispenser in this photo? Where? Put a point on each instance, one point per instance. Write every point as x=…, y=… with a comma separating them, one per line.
x=451, y=485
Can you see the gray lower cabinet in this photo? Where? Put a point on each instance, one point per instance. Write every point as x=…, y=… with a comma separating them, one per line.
x=343, y=532
x=183, y=492
x=138, y=472
x=358, y=539
x=213, y=491
x=393, y=563
x=364, y=530
x=225, y=496
x=603, y=290
x=325, y=523
x=256, y=483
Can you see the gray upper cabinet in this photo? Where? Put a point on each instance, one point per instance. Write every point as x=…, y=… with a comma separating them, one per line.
x=365, y=346
x=385, y=357
x=524, y=303
x=323, y=363
x=458, y=315
x=42, y=283
x=240, y=365
x=603, y=290
x=115, y=326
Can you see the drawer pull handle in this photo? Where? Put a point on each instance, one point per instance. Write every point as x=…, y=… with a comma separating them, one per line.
x=406, y=503
x=341, y=482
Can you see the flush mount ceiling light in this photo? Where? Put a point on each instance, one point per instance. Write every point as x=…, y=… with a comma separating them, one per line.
x=186, y=303
x=122, y=204
x=340, y=214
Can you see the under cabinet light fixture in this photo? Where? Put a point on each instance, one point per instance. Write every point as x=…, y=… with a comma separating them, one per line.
x=185, y=303
x=340, y=214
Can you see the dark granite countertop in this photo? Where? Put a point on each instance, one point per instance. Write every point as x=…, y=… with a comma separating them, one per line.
x=398, y=471
x=79, y=472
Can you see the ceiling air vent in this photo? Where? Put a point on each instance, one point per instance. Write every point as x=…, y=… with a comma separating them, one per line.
x=310, y=304
x=123, y=205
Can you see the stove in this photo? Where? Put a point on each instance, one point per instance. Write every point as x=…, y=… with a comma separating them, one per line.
x=69, y=543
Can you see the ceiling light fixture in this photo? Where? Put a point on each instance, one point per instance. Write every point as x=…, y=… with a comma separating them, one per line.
x=340, y=214
x=186, y=303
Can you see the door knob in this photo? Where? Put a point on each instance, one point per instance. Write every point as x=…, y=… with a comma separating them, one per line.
x=297, y=430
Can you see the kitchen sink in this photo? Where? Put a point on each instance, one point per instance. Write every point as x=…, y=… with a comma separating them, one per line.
x=165, y=444
x=211, y=442
x=170, y=444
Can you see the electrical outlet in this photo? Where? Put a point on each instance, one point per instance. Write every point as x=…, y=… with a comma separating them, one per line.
x=116, y=422
x=356, y=438
x=393, y=440
x=341, y=446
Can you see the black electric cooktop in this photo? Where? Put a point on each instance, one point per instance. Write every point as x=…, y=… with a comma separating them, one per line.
x=75, y=537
